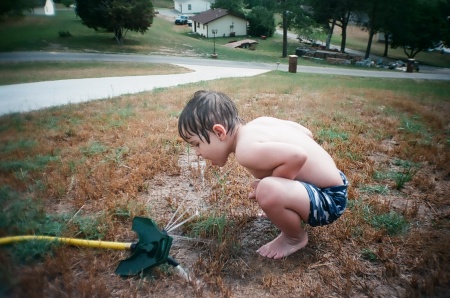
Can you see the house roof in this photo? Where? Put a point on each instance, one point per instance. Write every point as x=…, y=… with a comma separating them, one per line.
x=211, y=15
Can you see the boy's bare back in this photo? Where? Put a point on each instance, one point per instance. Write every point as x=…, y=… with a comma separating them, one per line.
x=272, y=147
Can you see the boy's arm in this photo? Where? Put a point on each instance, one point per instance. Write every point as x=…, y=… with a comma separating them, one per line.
x=273, y=159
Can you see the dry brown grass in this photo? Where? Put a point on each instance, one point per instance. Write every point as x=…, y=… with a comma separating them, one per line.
x=25, y=72
x=138, y=169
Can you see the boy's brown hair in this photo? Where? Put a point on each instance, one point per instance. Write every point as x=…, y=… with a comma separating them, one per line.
x=203, y=111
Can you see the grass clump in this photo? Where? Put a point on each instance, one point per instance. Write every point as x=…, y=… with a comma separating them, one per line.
x=20, y=144
x=94, y=148
x=392, y=222
x=211, y=227
x=26, y=216
x=369, y=255
x=404, y=172
x=27, y=164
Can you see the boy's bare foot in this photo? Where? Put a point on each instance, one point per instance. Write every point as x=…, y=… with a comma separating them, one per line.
x=282, y=246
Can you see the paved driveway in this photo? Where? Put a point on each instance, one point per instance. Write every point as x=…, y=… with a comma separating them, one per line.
x=32, y=96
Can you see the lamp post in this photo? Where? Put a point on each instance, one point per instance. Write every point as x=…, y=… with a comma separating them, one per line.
x=214, y=32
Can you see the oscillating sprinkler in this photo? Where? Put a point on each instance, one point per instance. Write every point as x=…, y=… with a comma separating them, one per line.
x=150, y=251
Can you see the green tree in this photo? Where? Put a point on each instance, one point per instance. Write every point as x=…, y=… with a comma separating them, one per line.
x=444, y=9
x=268, y=4
x=332, y=13
x=374, y=9
x=233, y=6
x=16, y=8
x=261, y=22
x=289, y=10
x=325, y=15
x=390, y=19
x=118, y=16
x=421, y=28
x=67, y=3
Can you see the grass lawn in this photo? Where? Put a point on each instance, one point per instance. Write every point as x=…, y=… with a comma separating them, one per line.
x=36, y=32
x=86, y=170
x=25, y=72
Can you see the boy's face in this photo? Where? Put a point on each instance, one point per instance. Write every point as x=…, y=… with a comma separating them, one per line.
x=215, y=151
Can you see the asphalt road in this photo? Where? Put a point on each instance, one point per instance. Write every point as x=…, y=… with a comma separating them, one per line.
x=426, y=73
x=31, y=96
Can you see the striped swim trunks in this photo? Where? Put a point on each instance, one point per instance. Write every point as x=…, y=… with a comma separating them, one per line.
x=326, y=204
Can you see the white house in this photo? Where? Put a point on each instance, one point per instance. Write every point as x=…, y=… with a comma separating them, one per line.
x=49, y=8
x=221, y=21
x=192, y=6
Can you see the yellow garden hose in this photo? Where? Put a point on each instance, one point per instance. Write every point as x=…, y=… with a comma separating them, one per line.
x=70, y=241
x=151, y=250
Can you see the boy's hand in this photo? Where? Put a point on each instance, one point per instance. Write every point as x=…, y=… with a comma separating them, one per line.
x=254, y=185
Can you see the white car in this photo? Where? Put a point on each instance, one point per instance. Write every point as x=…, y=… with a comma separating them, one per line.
x=181, y=20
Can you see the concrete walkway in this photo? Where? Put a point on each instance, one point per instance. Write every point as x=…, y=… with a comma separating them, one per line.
x=38, y=95
x=32, y=96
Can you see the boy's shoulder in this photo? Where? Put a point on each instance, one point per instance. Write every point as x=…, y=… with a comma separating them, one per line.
x=265, y=120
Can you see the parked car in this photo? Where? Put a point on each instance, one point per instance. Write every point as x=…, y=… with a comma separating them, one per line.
x=181, y=20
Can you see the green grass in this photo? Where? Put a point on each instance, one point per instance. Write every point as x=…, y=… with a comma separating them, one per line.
x=27, y=164
x=392, y=222
x=210, y=227
x=26, y=216
x=94, y=148
x=162, y=4
x=399, y=177
x=41, y=33
x=375, y=189
x=21, y=144
x=369, y=255
x=331, y=134
x=38, y=33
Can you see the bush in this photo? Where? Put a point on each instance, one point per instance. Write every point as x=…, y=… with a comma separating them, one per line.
x=261, y=22
x=64, y=34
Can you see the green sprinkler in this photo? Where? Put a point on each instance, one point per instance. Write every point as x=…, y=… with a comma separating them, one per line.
x=150, y=251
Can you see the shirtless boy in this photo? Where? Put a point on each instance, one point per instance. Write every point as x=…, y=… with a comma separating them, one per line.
x=296, y=179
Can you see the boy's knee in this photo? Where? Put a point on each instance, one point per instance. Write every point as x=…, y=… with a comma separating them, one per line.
x=266, y=193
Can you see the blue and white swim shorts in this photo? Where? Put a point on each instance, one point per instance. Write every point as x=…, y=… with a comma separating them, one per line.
x=326, y=204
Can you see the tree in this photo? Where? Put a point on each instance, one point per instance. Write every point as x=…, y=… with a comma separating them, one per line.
x=67, y=3
x=233, y=6
x=305, y=26
x=16, y=8
x=421, y=28
x=268, y=4
x=335, y=13
x=390, y=19
x=374, y=10
x=118, y=16
x=325, y=14
x=444, y=9
x=289, y=9
x=261, y=22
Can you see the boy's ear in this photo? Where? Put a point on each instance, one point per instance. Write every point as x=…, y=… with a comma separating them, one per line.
x=220, y=131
